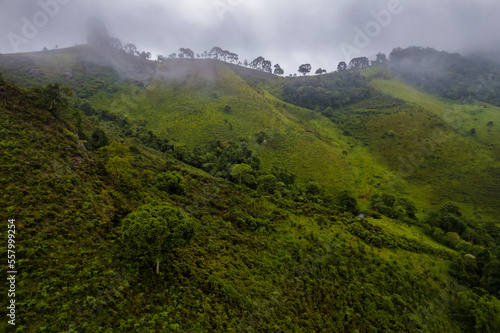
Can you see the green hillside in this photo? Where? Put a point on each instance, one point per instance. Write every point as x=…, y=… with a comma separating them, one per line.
x=271, y=190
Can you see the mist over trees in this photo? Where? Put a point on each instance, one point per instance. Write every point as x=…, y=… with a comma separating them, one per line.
x=97, y=33
x=446, y=74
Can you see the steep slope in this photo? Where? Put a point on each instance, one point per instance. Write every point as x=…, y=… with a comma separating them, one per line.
x=396, y=139
x=255, y=264
x=259, y=261
x=441, y=149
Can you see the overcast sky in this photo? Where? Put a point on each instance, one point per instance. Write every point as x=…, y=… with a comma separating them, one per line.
x=288, y=32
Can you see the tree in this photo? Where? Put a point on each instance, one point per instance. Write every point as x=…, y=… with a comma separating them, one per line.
x=245, y=63
x=450, y=208
x=160, y=58
x=342, y=66
x=267, y=184
x=239, y=171
x=320, y=71
x=452, y=239
x=278, y=70
x=381, y=58
x=232, y=57
x=154, y=230
x=477, y=312
x=358, y=63
x=53, y=98
x=171, y=182
x=99, y=139
x=347, y=202
x=216, y=52
x=130, y=49
x=188, y=53
x=172, y=56
x=145, y=55
x=305, y=68
x=115, y=43
x=257, y=62
x=266, y=66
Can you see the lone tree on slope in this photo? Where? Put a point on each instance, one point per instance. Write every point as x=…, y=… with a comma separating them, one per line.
x=154, y=230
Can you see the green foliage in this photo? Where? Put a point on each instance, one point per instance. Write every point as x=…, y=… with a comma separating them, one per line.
x=477, y=311
x=326, y=91
x=391, y=206
x=450, y=208
x=241, y=171
x=171, y=182
x=155, y=230
x=99, y=139
x=347, y=202
x=53, y=98
x=283, y=175
x=448, y=75
x=267, y=184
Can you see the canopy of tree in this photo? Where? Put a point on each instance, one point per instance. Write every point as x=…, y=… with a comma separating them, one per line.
x=325, y=91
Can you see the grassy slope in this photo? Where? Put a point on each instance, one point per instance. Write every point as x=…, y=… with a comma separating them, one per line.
x=442, y=159
x=190, y=109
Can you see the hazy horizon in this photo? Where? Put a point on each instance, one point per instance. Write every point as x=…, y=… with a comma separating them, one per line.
x=289, y=33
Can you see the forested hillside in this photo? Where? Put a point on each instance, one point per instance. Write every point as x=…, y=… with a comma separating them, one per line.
x=197, y=196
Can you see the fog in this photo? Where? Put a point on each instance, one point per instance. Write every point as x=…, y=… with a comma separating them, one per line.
x=290, y=32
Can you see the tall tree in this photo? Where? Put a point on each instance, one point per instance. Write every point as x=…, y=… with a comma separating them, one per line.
x=278, y=70
x=154, y=230
x=186, y=52
x=266, y=66
x=145, y=55
x=131, y=49
x=305, y=68
x=381, y=58
x=216, y=53
x=115, y=43
x=342, y=66
x=257, y=62
x=358, y=63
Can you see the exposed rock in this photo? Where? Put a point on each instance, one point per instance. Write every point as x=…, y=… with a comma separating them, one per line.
x=68, y=75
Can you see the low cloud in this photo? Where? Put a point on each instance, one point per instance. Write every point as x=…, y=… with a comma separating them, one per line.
x=286, y=32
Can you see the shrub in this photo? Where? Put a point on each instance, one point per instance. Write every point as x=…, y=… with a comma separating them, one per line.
x=171, y=182
x=347, y=202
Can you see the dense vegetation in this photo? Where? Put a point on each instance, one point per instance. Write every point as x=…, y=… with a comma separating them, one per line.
x=448, y=75
x=326, y=91
x=248, y=247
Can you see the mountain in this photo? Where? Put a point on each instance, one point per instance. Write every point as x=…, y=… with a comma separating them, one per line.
x=272, y=172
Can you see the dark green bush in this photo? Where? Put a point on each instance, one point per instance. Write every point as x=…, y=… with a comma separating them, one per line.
x=171, y=182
